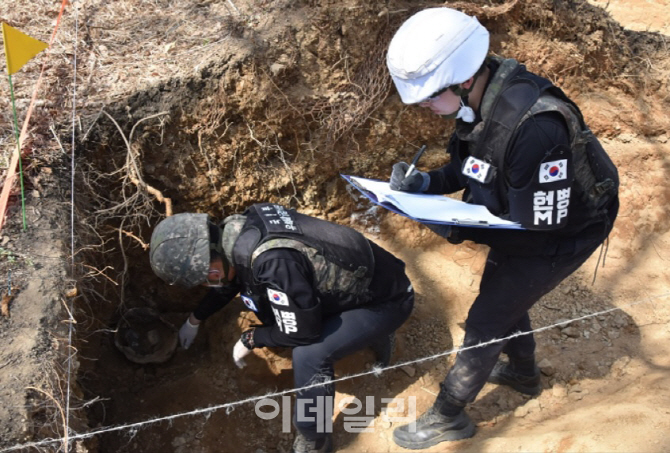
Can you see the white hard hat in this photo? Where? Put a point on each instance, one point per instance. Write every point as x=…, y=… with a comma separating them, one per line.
x=433, y=49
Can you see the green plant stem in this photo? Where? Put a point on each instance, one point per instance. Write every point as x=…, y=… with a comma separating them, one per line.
x=18, y=147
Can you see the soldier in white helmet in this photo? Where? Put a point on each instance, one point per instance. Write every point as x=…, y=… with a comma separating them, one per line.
x=522, y=150
x=320, y=288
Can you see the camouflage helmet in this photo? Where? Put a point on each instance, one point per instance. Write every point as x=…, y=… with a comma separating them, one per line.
x=180, y=249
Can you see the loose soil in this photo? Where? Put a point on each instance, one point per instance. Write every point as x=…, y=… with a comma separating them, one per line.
x=211, y=106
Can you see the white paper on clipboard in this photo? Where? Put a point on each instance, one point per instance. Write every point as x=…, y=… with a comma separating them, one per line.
x=428, y=208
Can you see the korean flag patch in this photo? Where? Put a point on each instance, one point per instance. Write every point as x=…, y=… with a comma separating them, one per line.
x=477, y=169
x=556, y=170
x=249, y=302
x=277, y=297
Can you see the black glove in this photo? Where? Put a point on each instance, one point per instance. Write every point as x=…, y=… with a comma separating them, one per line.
x=417, y=181
x=449, y=232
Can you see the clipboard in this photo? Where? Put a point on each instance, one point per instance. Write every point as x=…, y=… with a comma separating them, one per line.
x=428, y=208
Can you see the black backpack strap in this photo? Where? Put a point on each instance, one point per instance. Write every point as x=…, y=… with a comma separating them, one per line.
x=516, y=98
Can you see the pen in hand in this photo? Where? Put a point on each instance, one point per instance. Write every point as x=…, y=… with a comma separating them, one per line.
x=415, y=160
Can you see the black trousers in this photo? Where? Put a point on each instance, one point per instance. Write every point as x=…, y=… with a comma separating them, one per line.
x=509, y=287
x=343, y=334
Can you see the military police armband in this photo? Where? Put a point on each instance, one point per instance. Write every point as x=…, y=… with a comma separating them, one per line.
x=543, y=204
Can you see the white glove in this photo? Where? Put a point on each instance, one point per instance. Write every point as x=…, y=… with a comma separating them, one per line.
x=239, y=353
x=187, y=334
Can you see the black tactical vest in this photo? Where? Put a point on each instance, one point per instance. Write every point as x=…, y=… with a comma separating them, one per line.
x=513, y=95
x=341, y=257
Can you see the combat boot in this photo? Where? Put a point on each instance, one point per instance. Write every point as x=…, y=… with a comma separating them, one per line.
x=508, y=374
x=433, y=427
x=383, y=350
x=303, y=445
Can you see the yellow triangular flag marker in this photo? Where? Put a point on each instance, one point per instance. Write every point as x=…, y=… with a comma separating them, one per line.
x=19, y=48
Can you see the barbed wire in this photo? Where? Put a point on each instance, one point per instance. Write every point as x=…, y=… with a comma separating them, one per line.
x=377, y=371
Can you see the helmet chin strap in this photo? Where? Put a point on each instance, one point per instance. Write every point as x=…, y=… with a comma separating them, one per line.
x=215, y=235
x=465, y=112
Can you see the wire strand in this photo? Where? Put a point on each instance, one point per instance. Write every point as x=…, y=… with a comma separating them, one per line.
x=375, y=371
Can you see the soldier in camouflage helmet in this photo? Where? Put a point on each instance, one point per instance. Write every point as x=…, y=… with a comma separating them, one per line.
x=320, y=288
x=522, y=150
x=180, y=249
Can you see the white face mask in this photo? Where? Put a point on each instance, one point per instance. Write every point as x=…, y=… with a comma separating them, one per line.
x=465, y=113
